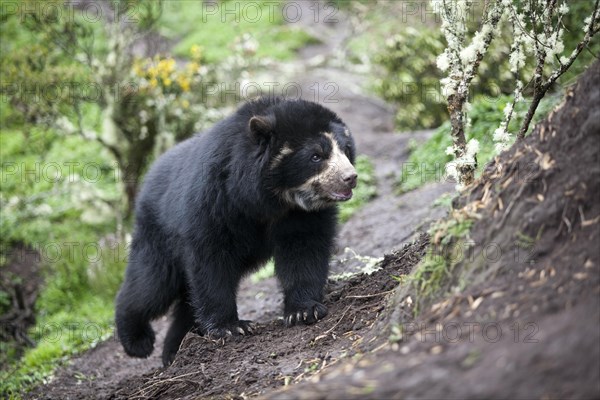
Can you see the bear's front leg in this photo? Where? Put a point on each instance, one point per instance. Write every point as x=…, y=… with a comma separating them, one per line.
x=212, y=293
x=303, y=246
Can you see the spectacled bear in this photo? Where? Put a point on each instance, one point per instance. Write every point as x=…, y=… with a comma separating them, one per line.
x=261, y=183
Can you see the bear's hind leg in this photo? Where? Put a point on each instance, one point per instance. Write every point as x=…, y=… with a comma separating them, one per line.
x=183, y=321
x=151, y=285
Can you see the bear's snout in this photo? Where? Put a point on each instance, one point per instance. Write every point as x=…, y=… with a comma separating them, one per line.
x=350, y=179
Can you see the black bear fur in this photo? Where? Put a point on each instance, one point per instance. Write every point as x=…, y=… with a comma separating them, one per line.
x=261, y=183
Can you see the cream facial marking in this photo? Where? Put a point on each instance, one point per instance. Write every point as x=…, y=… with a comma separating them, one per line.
x=338, y=163
x=285, y=150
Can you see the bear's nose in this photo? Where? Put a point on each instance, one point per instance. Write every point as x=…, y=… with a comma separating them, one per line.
x=350, y=180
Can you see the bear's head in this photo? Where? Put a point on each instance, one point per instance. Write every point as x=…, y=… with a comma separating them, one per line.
x=310, y=153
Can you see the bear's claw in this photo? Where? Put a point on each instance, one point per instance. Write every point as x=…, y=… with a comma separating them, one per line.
x=308, y=314
x=237, y=328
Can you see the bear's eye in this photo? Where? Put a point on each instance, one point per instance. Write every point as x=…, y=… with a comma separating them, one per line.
x=348, y=149
x=316, y=157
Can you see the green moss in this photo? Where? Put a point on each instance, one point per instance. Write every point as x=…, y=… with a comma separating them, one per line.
x=448, y=247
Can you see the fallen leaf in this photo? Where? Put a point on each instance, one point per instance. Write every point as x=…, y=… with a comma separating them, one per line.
x=476, y=303
x=546, y=162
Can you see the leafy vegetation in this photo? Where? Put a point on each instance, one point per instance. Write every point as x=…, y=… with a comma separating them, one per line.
x=406, y=56
x=74, y=328
x=427, y=161
x=265, y=272
x=60, y=207
x=412, y=81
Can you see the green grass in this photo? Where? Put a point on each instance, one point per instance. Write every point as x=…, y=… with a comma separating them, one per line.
x=427, y=161
x=63, y=220
x=59, y=336
x=215, y=29
x=265, y=272
x=447, y=248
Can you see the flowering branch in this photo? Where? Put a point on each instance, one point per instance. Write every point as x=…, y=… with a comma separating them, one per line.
x=547, y=47
x=463, y=62
x=537, y=27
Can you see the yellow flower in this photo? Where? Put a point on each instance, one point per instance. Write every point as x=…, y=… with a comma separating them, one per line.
x=193, y=67
x=153, y=82
x=196, y=52
x=184, y=83
x=167, y=82
x=166, y=66
x=185, y=104
x=152, y=72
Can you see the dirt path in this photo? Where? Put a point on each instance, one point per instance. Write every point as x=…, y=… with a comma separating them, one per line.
x=382, y=225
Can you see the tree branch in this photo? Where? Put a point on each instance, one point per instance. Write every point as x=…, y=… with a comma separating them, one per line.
x=540, y=88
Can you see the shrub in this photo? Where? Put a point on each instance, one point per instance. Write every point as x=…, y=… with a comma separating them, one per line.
x=427, y=161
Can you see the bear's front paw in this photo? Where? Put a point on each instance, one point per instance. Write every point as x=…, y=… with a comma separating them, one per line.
x=307, y=313
x=237, y=328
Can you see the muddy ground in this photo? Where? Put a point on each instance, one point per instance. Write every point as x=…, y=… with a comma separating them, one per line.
x=527, y=327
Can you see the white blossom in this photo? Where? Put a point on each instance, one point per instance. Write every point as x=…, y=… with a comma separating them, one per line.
x=443, y=63
x=500, y=147
x=478, y=46
x=508, y=109
x=518, y=93
x=472, y=149
x=144, y=117
x=554, y=46
x=143, y=132
x=563, y=9
x=501, y=134
x=448, y=86
x=587, y=24
x=516, y=59
x=451, y=170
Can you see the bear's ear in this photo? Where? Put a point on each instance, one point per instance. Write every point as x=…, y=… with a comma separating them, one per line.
x=261, y=126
